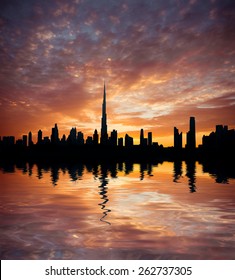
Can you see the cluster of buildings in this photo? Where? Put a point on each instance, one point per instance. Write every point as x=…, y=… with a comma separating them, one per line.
x=77, y=137
x=222, y=136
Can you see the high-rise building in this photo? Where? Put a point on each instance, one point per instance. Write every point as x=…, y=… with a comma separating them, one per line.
x=143, y=141
x=150, y=139
x=104, y=129
x=39, y=137
x=191, y=135
x=80, y=138
x=120, y=142
x=63, y=139
x=129, y=142
x=141, y=137
x=95, y=137
x=24, y=139
x=113, y=138
x=30, y=139
x=55, y=134
x=177, y=139
x=72, y=138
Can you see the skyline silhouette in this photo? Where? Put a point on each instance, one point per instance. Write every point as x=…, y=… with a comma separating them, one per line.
x=156, y=58
x=220, y=141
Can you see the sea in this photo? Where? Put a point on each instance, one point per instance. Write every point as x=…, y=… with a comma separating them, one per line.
x=117, y=210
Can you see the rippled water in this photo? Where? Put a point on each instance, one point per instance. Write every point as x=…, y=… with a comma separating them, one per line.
x=117, y=211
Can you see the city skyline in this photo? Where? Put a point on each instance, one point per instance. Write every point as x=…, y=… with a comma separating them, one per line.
x=162, y=61
x=222, y=137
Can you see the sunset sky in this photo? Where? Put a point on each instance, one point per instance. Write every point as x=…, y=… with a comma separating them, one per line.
x=162, y=61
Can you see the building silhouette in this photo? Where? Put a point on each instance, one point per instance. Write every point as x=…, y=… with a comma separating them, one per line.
x=104, y=128
x=24, y=140
x=177, y=139
x=143, y=141
x=141, y=137
x=39, y=137
x=113, y=138
x=150, y=139
x=120, y=142
x=8, y=141
x=80, y=138
x=89, y=140
x=220, y=139
x=30, y=139
x=95, y=137
x=129, y=142
x=191, y=135
x=72, y=139
x=46, y=140
x=63, y=139
x=55, y=135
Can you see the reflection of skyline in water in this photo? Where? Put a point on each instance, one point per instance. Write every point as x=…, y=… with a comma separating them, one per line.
x=221, y=172
x=102, y=171
x=109, y=210
x=190, y=173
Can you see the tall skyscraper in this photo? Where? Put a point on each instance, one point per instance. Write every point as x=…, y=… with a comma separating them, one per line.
x=141, y=137
x=55, y=134
x=143, y=141
x=80, y=138
x=129, y=142
x=24, y=138
x=73, y=135
x=177, y=139
x=191, y=134
x=104, y=129
x=113, y=138
x=30, y=139
x=95, y=137
x=39, y=137
x=150, y=139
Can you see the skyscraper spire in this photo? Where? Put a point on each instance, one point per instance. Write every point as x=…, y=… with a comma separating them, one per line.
x=104, y=129
x=104, y=101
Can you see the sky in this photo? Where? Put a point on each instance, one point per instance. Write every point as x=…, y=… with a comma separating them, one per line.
x=162, y=61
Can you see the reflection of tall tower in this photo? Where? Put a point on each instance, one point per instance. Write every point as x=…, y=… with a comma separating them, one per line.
x=104, y=193
x=104, y=129
x=191, y=174
x=177, y=170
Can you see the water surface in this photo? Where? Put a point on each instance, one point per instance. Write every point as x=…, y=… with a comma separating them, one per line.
x=169, y=210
